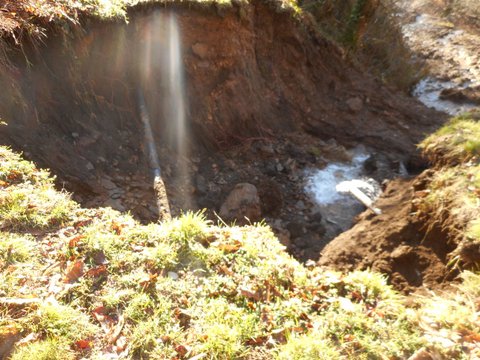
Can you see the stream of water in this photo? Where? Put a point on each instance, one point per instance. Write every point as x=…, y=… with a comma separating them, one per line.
x=337, y=207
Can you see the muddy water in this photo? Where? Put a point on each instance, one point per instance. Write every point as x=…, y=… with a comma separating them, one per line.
x=428, y=91
x=451, y=54
x=338, y=209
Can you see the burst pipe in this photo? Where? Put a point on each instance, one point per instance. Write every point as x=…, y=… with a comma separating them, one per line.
x=158, y=184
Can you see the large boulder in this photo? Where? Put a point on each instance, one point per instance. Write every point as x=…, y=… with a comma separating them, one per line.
x=241, y=204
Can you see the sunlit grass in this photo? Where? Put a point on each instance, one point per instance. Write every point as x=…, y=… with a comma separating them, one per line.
x=456, y=142
x=187, y=288
x=48, y=349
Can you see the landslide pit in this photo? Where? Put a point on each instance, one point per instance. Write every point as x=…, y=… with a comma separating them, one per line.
x=268, y=98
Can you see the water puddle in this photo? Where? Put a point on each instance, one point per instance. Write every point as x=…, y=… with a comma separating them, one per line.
x=428, y=92
x=339, y=208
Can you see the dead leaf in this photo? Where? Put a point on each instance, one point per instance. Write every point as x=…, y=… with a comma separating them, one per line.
x=249, y=294
x=258, y=341
x=9, y=335
x=225, y=270
x=96, y=271
x=74, y=272
x=117, y=227
x=181, y=350
x=74, y=241
x=82, y=223
x=106, y=322
x=83, y=344
x=148, y=281
x=113, y=336
x=121, y=343
x=230, y=248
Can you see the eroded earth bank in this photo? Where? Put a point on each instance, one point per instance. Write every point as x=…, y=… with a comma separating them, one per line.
x=268, y=101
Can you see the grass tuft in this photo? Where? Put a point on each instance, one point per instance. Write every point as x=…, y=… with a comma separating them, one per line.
x=49, y=349
x=188, y=289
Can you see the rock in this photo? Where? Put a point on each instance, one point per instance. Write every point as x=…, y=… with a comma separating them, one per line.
x=267, y=149
x=271, y=197
x=115, y=204
x=355, y=104
x=283, y=236
x=308, y=241
x=90, y=166
x=468, y=95
x=402, y=251
x=296, y=229
x=316, y=226
x=172, y=275
x=201, y=185
x=241, y=204
x=200, y=49
x=269, y=168
x=116, y=193
x=108, y=184
x=300, y=205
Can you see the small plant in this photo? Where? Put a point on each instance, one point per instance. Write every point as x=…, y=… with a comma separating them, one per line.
x=27, y=206
x=16, y=248
x=49, y=349
x=456, y=142
x=310, y=346
x=62, y=322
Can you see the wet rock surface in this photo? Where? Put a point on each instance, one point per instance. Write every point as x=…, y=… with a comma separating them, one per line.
x=449, y=48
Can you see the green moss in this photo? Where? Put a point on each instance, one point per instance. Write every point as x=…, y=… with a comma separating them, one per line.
x=27, y=206
x=456, y=142
x=63, y=322
x=310, y=346
x=49, y=349
x=16, y=248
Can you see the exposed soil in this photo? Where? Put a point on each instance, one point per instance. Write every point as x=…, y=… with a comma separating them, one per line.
x=414, y=252
x=268, y=97
x=449, y=47
x=396, y=242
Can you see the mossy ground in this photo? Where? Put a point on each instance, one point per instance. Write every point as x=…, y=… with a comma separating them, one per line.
x=452, y=198
x=95, y=283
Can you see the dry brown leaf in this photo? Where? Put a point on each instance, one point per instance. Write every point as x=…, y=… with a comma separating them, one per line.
x=83, y=344
x=249, y=294
x=230, y=248
x=181, y=350
x=74, y=272
x=97, y=271
x=74, y=241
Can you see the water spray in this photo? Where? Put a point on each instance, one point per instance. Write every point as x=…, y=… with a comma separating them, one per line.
x=158, y=184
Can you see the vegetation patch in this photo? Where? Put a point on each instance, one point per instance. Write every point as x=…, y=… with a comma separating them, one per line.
x=452, y=196
x=98, y=284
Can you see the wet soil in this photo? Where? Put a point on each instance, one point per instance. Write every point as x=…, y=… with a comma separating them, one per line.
x=449, y=47
x=268, y=99
x=396, y=242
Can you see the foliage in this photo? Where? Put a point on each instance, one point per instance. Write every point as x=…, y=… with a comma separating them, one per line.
x=104, y=285
x=456, y=142
x=48, y=349
x=453, y=192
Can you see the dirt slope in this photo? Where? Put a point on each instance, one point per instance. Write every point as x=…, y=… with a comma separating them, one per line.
x=249, y=70
x=394, y=242
x=253, y=73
